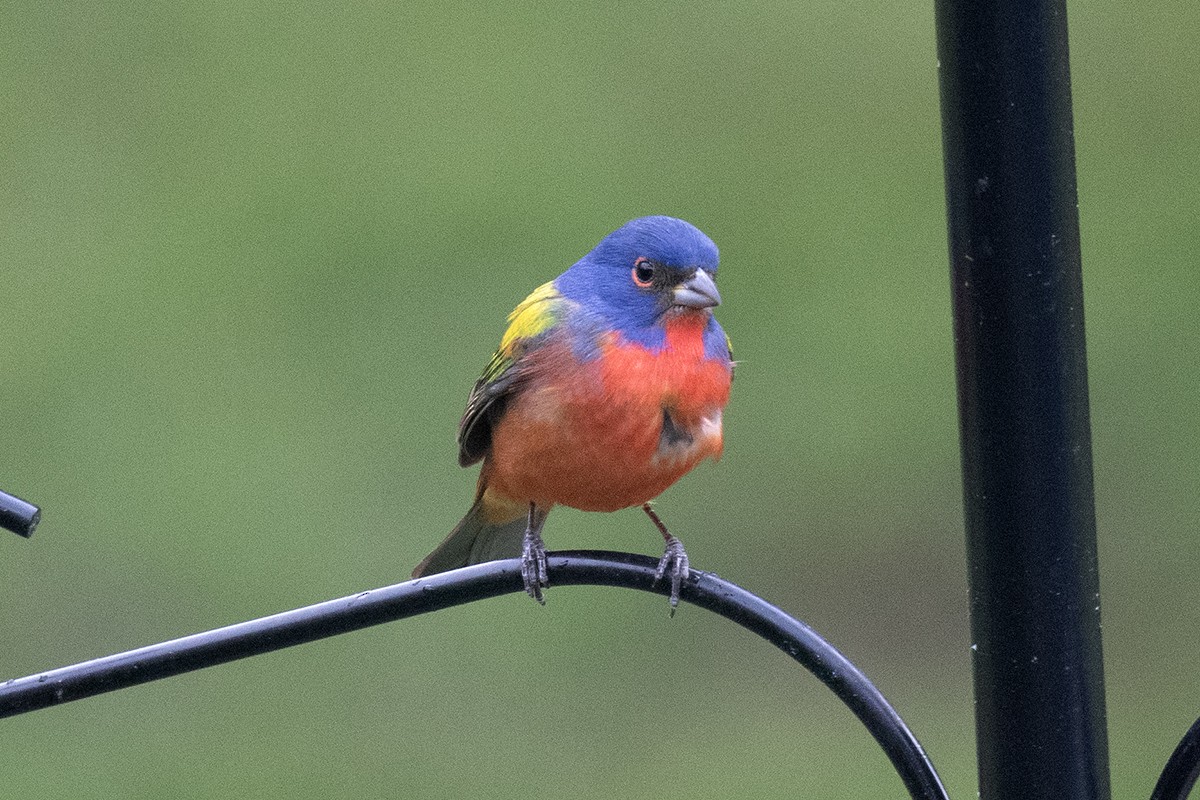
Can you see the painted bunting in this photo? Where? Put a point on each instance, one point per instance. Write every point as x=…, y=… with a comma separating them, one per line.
x=608, y=386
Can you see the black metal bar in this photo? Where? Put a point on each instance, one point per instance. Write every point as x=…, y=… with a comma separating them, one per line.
x=1023, y=403
x=18, y=516
x=1182, y=769
x=449, y=589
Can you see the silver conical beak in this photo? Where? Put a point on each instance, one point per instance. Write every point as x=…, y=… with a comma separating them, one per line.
x=698, y=291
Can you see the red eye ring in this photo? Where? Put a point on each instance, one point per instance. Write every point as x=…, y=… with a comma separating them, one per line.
x=643, y=273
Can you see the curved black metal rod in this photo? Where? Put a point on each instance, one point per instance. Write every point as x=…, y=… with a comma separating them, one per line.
x=476, y=583
x=1182, y=769
x=17, y=515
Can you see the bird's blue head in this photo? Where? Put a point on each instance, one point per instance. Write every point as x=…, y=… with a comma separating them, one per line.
x=644, y=269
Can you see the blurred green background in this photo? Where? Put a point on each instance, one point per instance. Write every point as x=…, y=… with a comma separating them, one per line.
x=254, y=254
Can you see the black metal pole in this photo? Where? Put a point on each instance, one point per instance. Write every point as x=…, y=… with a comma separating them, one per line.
x=1023, y=403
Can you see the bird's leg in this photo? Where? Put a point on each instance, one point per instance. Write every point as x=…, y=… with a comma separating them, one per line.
x=674, y=560
x=533, y=555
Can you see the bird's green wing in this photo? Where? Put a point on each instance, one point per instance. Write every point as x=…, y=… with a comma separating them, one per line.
x=732, y=363
x=528, y=325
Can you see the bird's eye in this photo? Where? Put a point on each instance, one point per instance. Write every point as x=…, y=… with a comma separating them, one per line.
x=643, y=272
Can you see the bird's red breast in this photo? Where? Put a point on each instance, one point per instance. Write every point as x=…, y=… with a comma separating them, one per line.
x=613, y=431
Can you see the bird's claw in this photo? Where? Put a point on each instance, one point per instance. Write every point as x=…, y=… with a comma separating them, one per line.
x=674, y=562
x=534, y=571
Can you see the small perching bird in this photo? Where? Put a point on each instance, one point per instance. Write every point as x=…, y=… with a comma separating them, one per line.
x=608, y=386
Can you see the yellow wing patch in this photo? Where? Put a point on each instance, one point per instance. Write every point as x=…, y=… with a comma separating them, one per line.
x=532, y=316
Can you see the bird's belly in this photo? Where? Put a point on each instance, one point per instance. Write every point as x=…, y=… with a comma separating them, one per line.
x=603, y=445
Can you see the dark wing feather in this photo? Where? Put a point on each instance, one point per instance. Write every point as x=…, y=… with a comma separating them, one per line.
x=484, y=406
x=529, y=324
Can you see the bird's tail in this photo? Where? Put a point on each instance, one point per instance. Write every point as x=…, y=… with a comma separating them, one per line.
x=494, y=528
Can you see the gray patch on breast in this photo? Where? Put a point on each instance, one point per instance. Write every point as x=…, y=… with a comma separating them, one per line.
x=672, y=435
